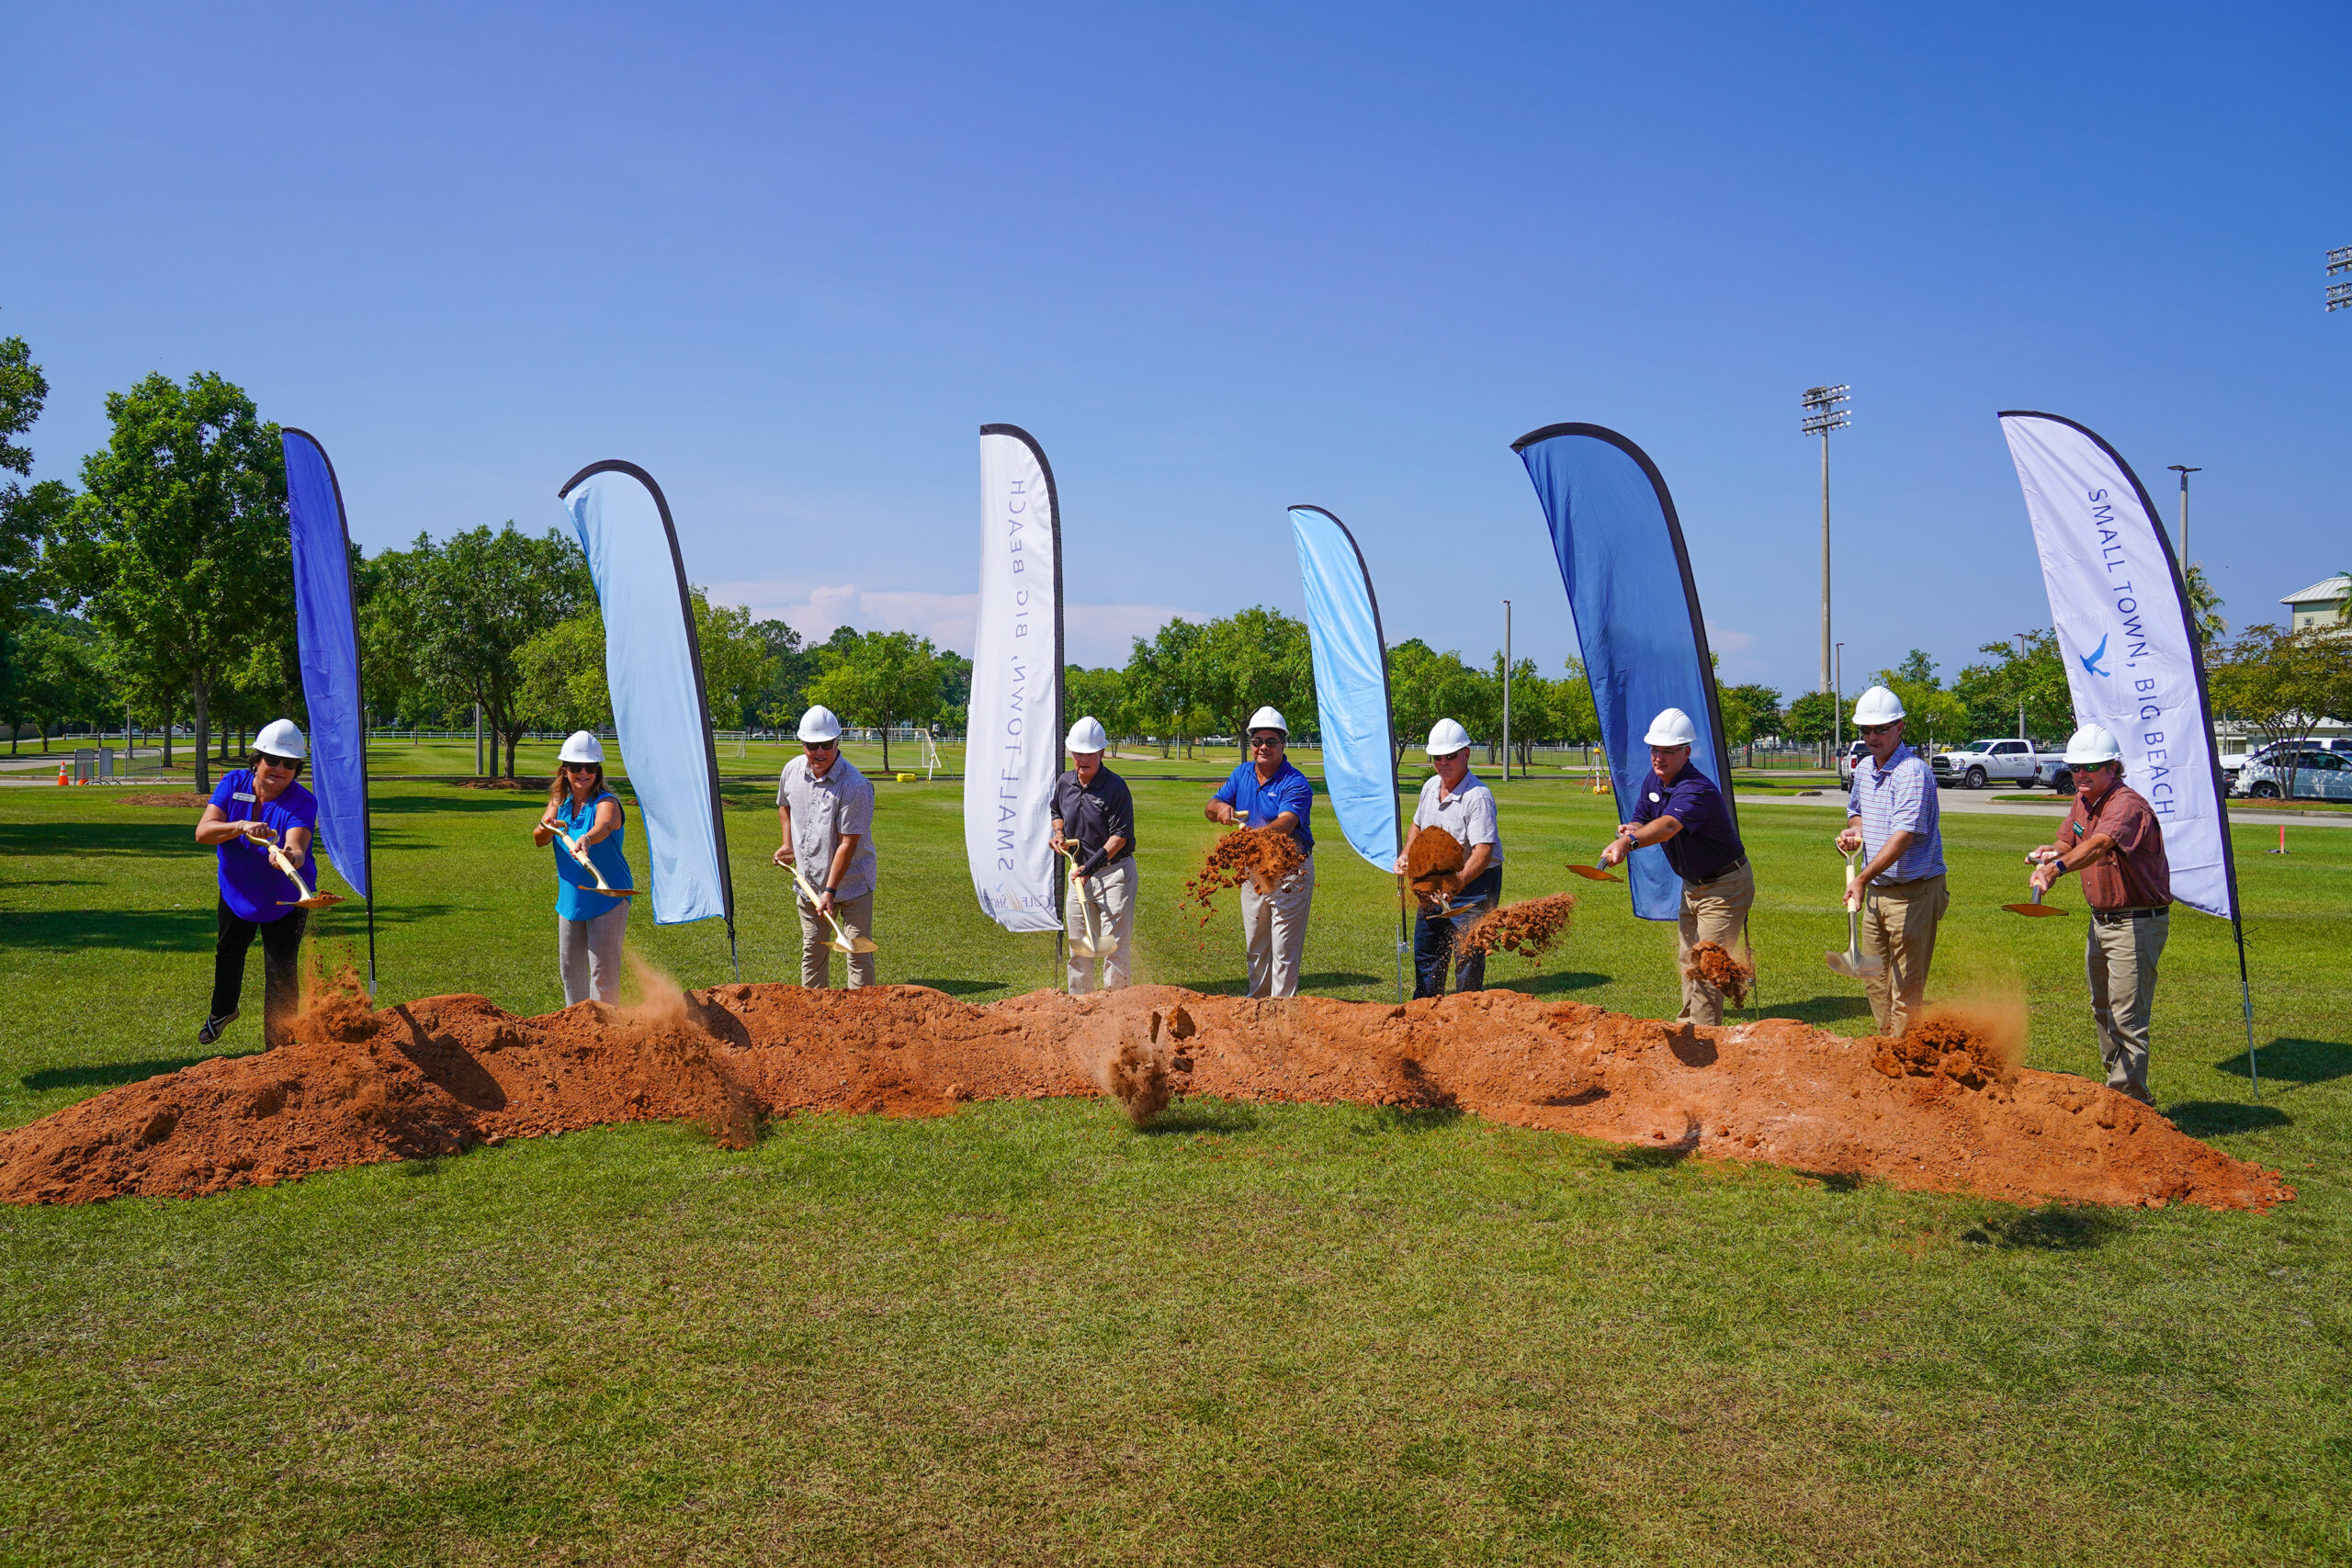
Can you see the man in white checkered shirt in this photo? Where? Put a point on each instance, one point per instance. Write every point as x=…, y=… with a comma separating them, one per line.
x=1893, y=818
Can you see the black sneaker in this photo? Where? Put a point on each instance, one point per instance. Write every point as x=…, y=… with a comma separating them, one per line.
x=214, y=1028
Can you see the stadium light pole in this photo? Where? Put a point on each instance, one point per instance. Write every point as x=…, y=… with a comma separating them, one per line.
x=1838, y=704
x=2184, y=472
x=1825, y=410
x=2339, y=262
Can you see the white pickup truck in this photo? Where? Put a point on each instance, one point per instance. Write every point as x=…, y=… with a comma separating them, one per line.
x=1981, y=762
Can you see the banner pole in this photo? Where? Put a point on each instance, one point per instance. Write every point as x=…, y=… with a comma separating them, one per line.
x=371, y=935
x=2246, y=997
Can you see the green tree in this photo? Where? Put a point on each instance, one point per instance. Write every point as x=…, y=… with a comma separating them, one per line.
x=879, y=680
x=1749, y=711
x=62, y=678
x=562, y=670
x=1101, y=693
x=389, y=600
x=177, y=544
x=1811, y=719
x=1989, y=693
x=1424, y=686
x=1255, y=658
x=2281, y=683
x=1531, y=721
x=483, y=595
x=736, y=664
x=793, y=664
x=2204, y=605
x=955, y=691
x=1160, y=677
x=29, y=519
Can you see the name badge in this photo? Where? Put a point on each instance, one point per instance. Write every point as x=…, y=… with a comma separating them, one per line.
x=1653, y=795
x=242, y=795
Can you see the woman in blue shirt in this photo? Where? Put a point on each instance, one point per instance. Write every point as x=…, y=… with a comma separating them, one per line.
x=588, y=924
x=253, y=806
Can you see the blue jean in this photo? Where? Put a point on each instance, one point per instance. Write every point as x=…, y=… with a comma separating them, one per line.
x=1433, y=938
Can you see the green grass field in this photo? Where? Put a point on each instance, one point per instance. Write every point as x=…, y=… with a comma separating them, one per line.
x=1265, y=1335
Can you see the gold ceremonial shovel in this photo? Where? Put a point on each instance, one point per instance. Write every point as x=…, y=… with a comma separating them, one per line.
x=1854, y=961
x=2036, y=910
x=589, y=866
x=843, y=942
x=311, y=898
x=1594, y=874
x=1084, y=945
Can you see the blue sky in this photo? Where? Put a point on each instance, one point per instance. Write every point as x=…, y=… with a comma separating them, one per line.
x=1220, y=259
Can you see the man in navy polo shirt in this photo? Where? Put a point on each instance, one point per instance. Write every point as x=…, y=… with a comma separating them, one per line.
x=1267, y=791
x=1681, y=811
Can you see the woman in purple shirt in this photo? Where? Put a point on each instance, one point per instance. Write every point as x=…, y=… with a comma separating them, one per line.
x=255, y=806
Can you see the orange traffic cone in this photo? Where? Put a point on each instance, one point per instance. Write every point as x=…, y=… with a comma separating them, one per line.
x=62, y=779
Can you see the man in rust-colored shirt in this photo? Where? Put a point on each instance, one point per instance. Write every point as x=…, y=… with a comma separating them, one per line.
x=2112, y=840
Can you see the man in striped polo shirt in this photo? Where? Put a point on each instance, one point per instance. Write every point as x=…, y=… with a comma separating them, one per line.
x=1892, y=816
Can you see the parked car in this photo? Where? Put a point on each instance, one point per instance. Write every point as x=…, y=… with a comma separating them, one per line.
x=2318, y=775
x=2233, y=762
x=1981, y=762
x=1849, y=758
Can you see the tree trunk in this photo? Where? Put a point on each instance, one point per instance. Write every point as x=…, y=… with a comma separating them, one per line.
x=199, y=695
x=886, y=743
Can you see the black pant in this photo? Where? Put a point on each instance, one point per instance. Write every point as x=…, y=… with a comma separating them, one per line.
x=281, y=981
x=1433, y=938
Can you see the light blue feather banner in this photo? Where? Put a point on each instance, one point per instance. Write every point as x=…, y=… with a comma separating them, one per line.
x=1351, y=684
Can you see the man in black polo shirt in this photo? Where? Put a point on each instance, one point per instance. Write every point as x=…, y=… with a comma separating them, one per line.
x=1094, y=824
x=1681, y=809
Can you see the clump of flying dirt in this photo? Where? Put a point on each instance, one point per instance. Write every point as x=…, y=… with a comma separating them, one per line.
x=441, y=1075
x=1528, y=929
x=1264, y=857
x=1141, y=1071
x=178, y=802
x=1714, y=967
x=1975, y=1046
x=1432, y=866
x=335, y=1008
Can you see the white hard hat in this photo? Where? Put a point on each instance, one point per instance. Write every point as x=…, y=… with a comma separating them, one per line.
x=581, y=747
x=1877, y=706
x=1087, y=734
x=1672, y=727
x=1446, y=737
x=2091, y=744
x=818, y=723
x=280, y=737
x=1267, y=719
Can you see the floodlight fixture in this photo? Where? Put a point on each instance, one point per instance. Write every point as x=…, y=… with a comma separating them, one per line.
x=2340, y=295
x=1825, y=410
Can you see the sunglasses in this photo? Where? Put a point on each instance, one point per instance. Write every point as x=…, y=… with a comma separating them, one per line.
x=1265, y=740
x=582, y=767
x=1877, y=729
x=820, y=745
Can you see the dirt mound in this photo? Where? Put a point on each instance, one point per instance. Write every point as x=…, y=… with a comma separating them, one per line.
x=436, y=1075
x=519, y=785
x=191, y=801
x=1528, y=929
x=1265, y=857
x=1432, y=865
x=1713, y=965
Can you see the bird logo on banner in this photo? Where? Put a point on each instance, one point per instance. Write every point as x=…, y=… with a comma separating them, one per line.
x=2097, y=653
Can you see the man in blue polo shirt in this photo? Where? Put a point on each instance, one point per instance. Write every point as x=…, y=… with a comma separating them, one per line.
x=1893, y=818
x=1267, y=791
x=1682, y=811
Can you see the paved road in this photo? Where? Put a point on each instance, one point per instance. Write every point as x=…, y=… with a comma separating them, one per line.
x=1962, y=800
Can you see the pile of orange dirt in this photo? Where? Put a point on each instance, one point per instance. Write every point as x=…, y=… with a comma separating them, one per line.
x=1528, y=929
x=1713, y=965
x=1966, y=1045
x=1264, y=857
x=191, y=801
x=1432, y=865
x=436, y=1075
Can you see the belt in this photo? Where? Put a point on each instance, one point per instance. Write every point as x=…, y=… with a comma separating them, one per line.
x=1709, y=882
x=2117, y=916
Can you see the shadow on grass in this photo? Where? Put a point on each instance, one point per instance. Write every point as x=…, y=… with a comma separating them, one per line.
x=1835, y=1180
x=170, y=930
x=512, y=801
x=1818, y=1009
x=963, y=988
x=1386, y=1119
x=111, y=1075
x=1553, y=984
x=2211, y=1118
x=1223, y=1116
x=81, y=837
x=2294, y=1060
x=2048, y=1230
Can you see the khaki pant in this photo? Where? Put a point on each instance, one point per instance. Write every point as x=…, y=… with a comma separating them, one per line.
x=1274, y=925
x=1718, y=913
x=1899, y=926
x=1112, y=924
x=856, y=916
x=2120, y=959
x=588, y=955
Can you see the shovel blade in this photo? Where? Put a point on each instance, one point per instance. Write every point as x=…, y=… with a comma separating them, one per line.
x=316, y=901
x=1594, y=874
x=2037, y=911
x=1840, y=965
